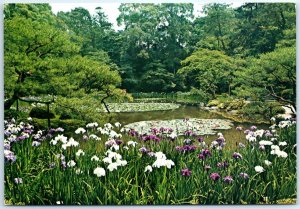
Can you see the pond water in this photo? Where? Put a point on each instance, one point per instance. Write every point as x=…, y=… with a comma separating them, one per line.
x=232, y=136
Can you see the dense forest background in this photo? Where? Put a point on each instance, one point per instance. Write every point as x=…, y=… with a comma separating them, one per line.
x=246, y=52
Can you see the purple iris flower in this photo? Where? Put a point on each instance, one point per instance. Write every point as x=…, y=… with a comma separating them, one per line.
x=201, y=156
x=206, y=153
x=6, y=146
x=21, y=138
x=268, y=133
x=162, y=129
x=186, y=172
x=237, y=155
x=154, y=130
x=143, y=150
x=28, y=131
x=228, y=179
x=200, y=139
x=7, y=133
x=119, y=141
x=52, y=131
x=150, y=137
x=10, y=157
x=215, y=176
x=132, y=132
x=220, y=141
x=253, y=128
x=188, y=133
x=186, y=148
x=223, y=165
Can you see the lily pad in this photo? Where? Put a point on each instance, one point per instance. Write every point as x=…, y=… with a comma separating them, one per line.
x=180, y=126
x=139, y=107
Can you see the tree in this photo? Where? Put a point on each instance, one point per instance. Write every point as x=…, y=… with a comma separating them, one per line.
x=216, y=26
x=30, y=48
x=157, y=79
x=30, y=11
x=208, y=70
x=154, y=33
x=271, y=76
x=94, y=32
x=260, y=27
x=41, y=58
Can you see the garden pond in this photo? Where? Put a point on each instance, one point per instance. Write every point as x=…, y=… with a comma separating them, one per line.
x=191, y=112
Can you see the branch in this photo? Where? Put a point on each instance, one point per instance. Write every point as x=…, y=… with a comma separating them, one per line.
x=279, y=98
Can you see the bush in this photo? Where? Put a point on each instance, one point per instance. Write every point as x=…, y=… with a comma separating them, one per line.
x=235, y=104
x=69, y=125
x=261, y=110
x=65, y=116
x=278, y=110
x=41, y=113
x=213, y=102
x=11, y=113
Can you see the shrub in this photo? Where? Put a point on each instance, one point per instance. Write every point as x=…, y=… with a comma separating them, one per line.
x=41, y=113
x=69, y=125
x=65, y=116
x=261, y=110
x=11, y=113
x=278, y=110
x=213, y=102
x=235, y=104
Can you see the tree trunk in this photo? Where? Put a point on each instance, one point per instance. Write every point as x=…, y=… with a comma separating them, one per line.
x=8, y=103
x=103, y=102
x=105, y=105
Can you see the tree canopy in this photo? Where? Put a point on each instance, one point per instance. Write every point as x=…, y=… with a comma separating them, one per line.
x=248, y=51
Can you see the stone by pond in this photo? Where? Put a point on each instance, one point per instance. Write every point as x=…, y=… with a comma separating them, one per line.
x=180, y=126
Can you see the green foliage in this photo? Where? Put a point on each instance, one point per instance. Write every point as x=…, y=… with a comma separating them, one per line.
x=39, y=12
x=69, y=125
x=42, y=113
x=273, y=75
x=32, y=51
x=260, y=26
x=17, y=115
x=154, y=39
x=158, y=80
x=215, y=27
x=213, y=102
x=209, y=70
x=261, y=110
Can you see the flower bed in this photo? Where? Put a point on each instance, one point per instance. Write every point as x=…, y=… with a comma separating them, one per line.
x=116, y=165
